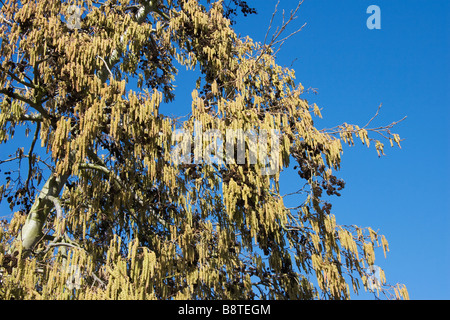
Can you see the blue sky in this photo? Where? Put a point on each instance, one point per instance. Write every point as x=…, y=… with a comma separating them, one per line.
x=405, y=66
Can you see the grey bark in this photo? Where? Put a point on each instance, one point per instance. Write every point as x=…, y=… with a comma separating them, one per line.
x=32, y=230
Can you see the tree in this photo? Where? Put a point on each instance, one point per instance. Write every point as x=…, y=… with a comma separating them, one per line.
x=231, y=9
x=126, y=208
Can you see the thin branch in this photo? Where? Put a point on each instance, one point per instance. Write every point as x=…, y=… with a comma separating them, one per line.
x=389, y=126
x=105, y=170
x=376, y=115
x=31, y=103
x=16, y=78
x=59, y=244
x=30, y=154
x=282, y=41
x=26, y=156
x=9, y=160
x=271, y=21
x=277, y=33
x=302, y=190
x=283, y=27
x=70, y=244
x=6, y=21
x=378, y=130
x=98, y=280
x=106, y=65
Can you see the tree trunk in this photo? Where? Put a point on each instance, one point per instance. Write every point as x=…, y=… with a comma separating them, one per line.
x=31, y=231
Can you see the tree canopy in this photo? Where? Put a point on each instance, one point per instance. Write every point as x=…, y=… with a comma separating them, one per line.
x=124, y=202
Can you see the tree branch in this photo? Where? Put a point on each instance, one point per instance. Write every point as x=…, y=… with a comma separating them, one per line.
x=106, y=65
x=31, y=231
x=103, y=169
x=144, y=8
x=30, y=154
x=283, y=27
x=57, y=205
x=31, y=103
x=6, y=21
x=16, y=78
x=100, y=166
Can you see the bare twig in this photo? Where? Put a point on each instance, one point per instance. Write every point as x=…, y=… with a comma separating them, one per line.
x=271, y=21
x=282, y=41
x=379, y=130
x=376, y=115
x=9, y=160
x=26, y=156
x=302, y=190
x=283, y=27
x=274, y=40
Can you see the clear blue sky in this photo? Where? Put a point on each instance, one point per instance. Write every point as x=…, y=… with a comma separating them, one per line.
x=405, y=66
